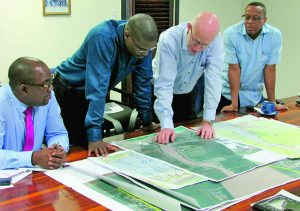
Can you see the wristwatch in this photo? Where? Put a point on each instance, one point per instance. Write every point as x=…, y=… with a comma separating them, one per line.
x=211, y=122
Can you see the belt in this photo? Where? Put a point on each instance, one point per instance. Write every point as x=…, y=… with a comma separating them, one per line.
x=59, y=79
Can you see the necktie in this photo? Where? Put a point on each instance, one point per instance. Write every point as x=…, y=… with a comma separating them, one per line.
x=29, y=132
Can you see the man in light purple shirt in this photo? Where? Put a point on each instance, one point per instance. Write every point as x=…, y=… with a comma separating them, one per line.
x=185, y=53
x=30, y=85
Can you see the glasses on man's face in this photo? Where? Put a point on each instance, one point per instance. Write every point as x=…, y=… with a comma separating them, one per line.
x=141, y=50
x=196, y=42
x=255, y=18
x=48, y=85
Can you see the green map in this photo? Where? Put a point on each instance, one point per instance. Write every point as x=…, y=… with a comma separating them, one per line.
x=267, y=134
x=120, y=195
x=212, y=194
x=216, y=159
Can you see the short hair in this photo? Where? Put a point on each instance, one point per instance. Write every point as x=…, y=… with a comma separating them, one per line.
x=258, y=4
x=143, y=27
x=22, y=71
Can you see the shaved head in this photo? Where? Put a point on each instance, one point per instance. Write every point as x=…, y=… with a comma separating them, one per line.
x=206, y=26
x=143, y=28
x=22, y=70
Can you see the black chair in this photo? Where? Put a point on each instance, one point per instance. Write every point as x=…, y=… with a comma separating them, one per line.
x=123, y=119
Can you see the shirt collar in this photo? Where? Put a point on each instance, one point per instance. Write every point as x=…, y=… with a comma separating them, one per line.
x=21, y=107
x=184, y=39
x=120, y=34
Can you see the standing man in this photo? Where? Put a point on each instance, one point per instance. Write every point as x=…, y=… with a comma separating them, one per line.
x=253, y=48
x=29, y=114
x=111, y=51
x=186, y=52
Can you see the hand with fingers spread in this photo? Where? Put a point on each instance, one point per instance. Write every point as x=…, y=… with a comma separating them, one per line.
x=206, y=131
x=100, y=148
x=165, y=136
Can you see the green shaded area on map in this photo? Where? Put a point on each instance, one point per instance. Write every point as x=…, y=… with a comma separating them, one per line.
x=120, y=195
x=264, y=133
x=210, y=194
x=216, y=159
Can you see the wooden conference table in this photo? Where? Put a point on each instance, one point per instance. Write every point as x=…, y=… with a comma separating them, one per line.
x=40, y=192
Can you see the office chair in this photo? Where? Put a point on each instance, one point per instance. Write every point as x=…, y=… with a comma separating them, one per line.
x=119, y=116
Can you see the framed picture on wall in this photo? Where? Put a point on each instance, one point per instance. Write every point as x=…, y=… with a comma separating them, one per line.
x=56, y=7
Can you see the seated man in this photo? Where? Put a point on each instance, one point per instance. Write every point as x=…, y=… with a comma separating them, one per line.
x=29, y=114
x=184, y=54
x=252, y=50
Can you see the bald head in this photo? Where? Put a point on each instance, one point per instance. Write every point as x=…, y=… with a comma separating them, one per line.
x=22, y=70
x=142, y=27
x=206, y=26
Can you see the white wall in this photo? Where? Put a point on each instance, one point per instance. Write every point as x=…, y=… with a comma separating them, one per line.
x=24, y=31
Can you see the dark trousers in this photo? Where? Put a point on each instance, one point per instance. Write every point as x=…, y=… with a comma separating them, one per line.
x=73, y=110
x=187, y=106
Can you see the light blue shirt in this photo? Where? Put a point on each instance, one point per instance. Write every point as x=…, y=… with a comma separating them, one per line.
x=252, y=56
x=176, y=71
x=48, y=126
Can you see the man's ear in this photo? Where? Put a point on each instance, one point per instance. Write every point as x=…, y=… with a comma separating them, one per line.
x=189, y=26
x=23, y=89
x=126, y=33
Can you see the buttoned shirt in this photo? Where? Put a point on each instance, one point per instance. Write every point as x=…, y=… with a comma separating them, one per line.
x=252, y=56
x=101, y=63
x=176, y=71
x=48, y=127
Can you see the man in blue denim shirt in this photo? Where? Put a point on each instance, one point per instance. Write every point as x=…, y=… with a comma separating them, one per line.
x=252, y=50
x=111, y=51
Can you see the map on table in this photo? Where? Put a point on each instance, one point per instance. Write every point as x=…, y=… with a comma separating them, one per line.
x=217, y=159
x=267, y=134
x=149, y=170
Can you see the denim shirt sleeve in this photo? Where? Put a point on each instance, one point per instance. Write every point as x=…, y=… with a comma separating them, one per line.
x=99, y=54
x=142, y=76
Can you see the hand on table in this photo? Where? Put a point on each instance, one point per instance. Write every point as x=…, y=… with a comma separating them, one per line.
x=50, y=158
x=279, y=107
x=206, y=131
x=100, y=148
x=165, y=136
x=229, y=108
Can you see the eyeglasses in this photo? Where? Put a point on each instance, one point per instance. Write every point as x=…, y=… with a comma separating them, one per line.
x=196, y=42
x=253, y=18
x=48, y=86
x=141, y=50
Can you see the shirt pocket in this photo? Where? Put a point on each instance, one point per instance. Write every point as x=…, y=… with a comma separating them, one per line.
x=264, y=57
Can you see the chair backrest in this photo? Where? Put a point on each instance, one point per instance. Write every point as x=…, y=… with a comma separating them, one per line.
x=120, y=116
